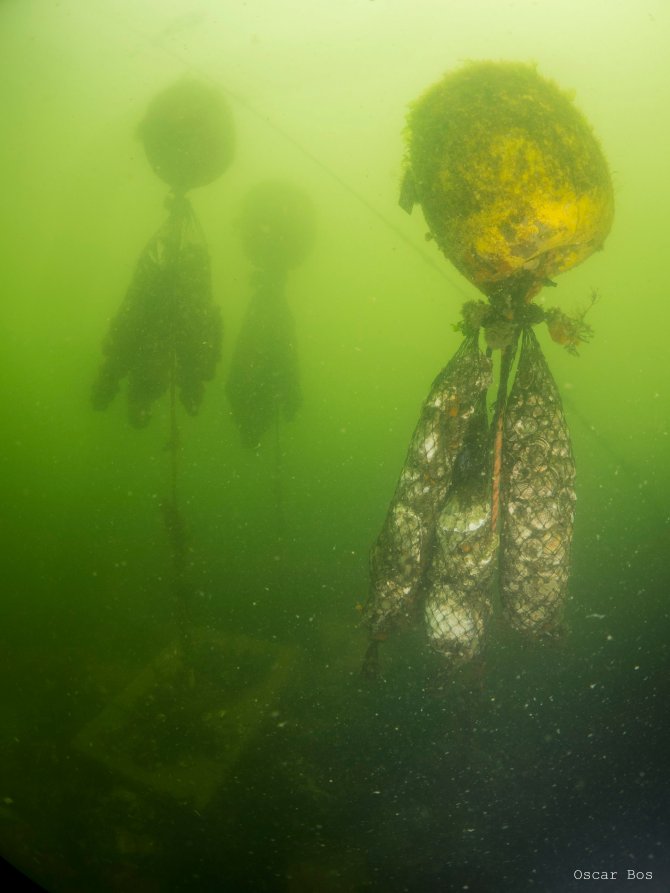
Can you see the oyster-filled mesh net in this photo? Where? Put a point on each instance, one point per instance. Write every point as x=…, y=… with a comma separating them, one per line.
x=538, y=475
x=168, y=323
x=458, y=601
x=403, y=548
x=440, y=546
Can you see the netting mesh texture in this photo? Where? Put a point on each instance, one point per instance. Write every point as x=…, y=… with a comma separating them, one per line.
x=168, y=325
x=403, y=548
x=438, y=546
x=538, y=476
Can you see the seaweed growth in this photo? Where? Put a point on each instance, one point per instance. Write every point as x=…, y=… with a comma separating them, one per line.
x=508, y=173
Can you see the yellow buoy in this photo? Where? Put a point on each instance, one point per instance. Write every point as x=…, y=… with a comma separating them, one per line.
x=511, y=179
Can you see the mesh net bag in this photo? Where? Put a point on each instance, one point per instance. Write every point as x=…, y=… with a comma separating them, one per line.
x=403, y=548
x=167, y=325
x=538, y=497
x=458, y=601
x=264, y=378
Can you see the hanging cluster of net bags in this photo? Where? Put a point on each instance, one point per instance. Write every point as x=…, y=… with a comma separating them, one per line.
x=167, y=332
x=515, y=190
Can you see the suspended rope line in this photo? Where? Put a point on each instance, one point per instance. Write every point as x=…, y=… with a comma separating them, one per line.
x=174, y=521
x=278, y=475
x=498, y=424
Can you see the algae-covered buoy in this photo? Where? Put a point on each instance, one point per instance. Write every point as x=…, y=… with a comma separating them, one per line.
x=509, y=174
x=277, y=225
x=188, y=135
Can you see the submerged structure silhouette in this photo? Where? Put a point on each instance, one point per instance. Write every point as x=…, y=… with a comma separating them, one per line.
x=515, y=189
x=277, y=228
x=167, y=333
x=166, y=337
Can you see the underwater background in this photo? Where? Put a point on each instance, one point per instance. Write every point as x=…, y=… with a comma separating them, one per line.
x=538, y=762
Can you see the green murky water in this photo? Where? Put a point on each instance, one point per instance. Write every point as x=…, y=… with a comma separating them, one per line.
x=270, y=764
